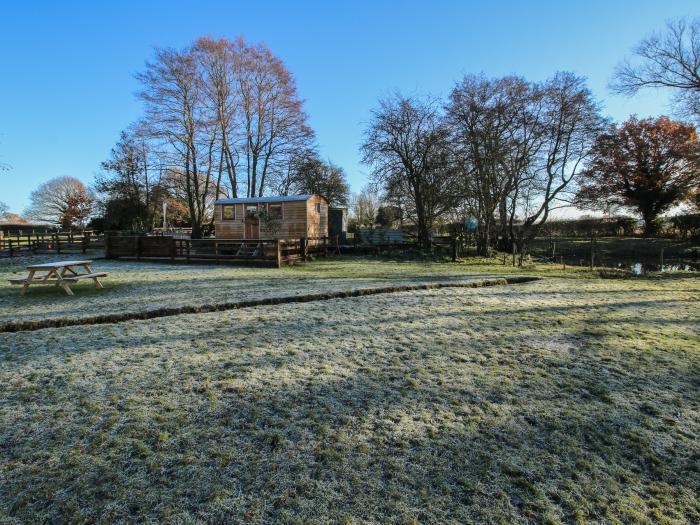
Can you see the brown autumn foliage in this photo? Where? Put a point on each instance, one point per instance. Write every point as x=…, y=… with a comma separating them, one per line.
x=647, y=165
x=63, y=201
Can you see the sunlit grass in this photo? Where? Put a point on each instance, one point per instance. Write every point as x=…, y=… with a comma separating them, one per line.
x=139, y=286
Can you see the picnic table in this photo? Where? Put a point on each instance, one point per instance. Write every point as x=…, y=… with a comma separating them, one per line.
x=63, y=274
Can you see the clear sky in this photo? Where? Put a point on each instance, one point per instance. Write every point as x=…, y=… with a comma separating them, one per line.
x=67, y=68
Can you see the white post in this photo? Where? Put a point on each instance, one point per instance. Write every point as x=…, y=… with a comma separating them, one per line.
x=165, y=215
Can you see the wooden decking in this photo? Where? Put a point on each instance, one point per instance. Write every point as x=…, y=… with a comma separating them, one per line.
x=259, y=252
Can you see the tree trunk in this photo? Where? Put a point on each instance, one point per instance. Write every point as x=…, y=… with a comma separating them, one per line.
x=649, y=217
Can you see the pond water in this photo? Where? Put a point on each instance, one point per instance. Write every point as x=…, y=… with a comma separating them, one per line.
x=641, y=268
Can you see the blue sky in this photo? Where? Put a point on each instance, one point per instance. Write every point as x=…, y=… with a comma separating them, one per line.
x=67, y=68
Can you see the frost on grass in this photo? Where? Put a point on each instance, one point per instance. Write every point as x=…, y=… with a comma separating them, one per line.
x=140, y=286
x=570, y=401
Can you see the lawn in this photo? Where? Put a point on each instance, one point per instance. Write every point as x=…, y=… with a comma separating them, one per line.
x=139, y=286
x=566, y=400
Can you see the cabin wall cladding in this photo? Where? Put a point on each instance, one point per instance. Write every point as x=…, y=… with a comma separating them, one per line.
x=302, y=216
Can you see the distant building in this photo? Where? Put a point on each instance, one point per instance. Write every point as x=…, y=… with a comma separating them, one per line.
x=15, y=224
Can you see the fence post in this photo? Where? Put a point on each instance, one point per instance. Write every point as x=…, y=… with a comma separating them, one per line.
x=9, y=240
x=563, y=264
x=58, y=244
x=325, y=246
x=302, y=247
x=592, y=251
x=138, y=247
x=173, y=248
x=278, y=253
x=514, y=249
x=661, y=261
x=454, y=249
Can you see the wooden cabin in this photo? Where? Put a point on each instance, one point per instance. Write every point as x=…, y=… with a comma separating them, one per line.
x=292, y=217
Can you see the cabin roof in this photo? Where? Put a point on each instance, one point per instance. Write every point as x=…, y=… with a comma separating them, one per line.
x=252, y=200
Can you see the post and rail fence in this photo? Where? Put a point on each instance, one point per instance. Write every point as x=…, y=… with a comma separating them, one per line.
x=13, y=245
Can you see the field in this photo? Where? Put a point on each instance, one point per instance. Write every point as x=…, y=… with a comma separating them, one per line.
x=566, y=400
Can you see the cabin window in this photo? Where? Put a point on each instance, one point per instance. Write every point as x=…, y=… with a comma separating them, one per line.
x=274, y=211
x=318, y=207
x=228, y=212
x=251, y=211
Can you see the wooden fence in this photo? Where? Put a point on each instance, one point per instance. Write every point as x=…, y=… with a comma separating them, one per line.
x=263, y=252
x=12, y=245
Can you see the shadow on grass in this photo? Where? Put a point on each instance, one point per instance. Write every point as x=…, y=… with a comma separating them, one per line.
x=387, y=444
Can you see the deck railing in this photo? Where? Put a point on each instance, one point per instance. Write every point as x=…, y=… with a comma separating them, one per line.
x=268, y=252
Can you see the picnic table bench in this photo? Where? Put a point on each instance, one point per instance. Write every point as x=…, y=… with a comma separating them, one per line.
x=62, y=274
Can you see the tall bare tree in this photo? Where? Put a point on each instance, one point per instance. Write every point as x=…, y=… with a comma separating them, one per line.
x=520, y=146
x=273, y=120
x=219, y=60
x=571, y=123
x=173, y=93
x=496, y=134
x=364, y=206
x=666, y=60
x=407, y=146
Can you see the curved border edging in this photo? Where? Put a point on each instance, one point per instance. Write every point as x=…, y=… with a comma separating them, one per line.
x=25, y=326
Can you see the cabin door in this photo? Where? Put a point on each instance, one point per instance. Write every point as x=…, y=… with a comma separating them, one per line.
x=252, y=229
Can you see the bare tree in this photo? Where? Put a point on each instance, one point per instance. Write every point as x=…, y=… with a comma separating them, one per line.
x=407, y=146
x=668, y=60
x=64, y=201
x=273, y=120
x=4, y=208
x=365, y=205
x=177, y=119
x=496, y=134
x=572, y=121
x=520, y=146
x=219, y=62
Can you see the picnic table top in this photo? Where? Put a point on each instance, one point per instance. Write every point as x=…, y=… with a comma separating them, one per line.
x=60, y=264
